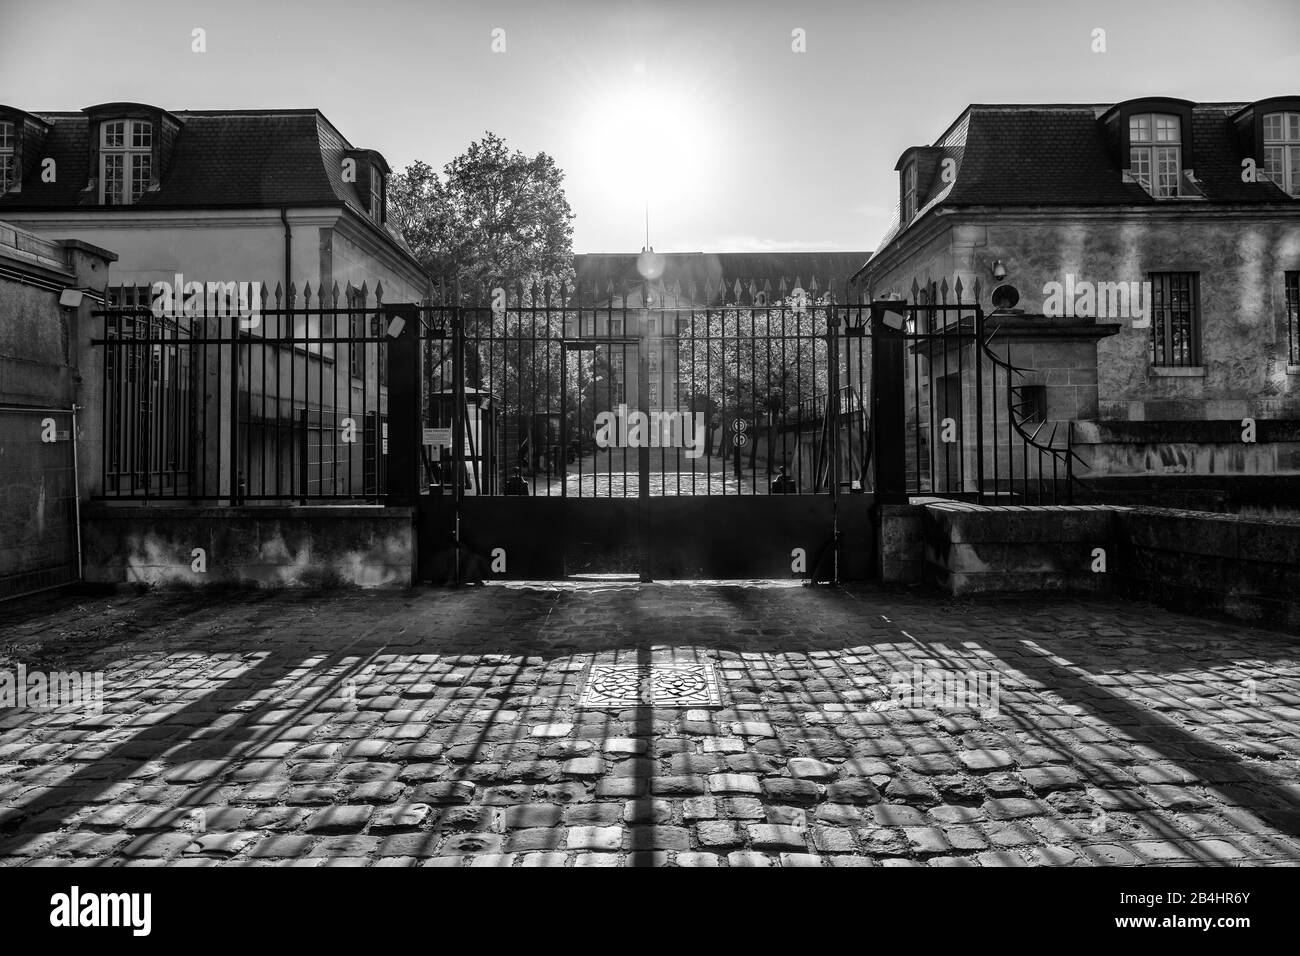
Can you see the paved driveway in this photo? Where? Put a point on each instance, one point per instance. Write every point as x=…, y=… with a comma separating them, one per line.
x=856, y=727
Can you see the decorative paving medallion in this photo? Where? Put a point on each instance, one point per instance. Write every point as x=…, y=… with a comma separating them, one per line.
x=655, y=685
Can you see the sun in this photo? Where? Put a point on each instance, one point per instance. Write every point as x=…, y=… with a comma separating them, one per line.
x=647, y=140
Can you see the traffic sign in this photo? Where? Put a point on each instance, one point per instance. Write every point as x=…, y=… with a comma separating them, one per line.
x=739, y=425
x=741, y=439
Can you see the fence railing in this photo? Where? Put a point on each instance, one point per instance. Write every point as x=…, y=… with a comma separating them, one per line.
x=280, y=399
x=977, y=422
x=555, y=392
x=551, y=384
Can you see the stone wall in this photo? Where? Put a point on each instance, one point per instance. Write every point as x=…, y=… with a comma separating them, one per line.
x=1241, y=263
x=1245, y=568
x=280, y=547
x=44, y=372
x=1195, y=562
x=972, y=549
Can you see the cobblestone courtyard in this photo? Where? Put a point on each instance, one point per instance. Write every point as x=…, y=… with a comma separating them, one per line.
x=442, y=728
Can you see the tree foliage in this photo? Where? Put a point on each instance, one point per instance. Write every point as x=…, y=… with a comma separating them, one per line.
x=495, y=217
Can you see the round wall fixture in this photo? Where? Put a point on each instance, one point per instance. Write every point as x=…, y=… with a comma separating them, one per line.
x=1005, y=297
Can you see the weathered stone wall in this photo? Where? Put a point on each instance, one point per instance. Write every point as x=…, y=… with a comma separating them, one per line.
x=1191, y=561
x=1244, y=369
x=901, y=543
x=1246, y=568
x=45, y=369
x=354, y=546
x=1123, y=449
x=971, y=549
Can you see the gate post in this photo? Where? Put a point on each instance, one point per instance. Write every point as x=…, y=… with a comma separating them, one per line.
x=403, y=343
x=888, y=408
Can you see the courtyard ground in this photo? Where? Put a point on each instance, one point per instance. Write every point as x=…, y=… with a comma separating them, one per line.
x=443, y=728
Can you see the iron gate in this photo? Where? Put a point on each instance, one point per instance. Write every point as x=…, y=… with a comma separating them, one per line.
x=650, y=433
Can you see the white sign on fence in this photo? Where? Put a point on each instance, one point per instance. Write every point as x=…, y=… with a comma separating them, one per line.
x=437, y=437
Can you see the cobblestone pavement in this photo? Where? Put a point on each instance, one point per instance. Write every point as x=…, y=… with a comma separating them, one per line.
x=441, y=728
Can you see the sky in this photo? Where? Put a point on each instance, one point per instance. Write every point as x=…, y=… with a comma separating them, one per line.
x=704, y=111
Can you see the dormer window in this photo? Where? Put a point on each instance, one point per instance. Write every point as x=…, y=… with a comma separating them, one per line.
x=8, y=157
x=1155, y=152
x=125, y=160
x=1282, y=151
x=377, y=195
x=909, y=191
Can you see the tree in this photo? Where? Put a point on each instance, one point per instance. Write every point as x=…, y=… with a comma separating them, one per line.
x=497, y=219
x=494, y=218
x=763, y=365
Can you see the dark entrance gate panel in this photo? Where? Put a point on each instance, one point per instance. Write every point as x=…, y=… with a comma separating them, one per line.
x=738, y=537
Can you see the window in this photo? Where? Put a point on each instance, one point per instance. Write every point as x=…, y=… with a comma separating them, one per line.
x=617, y=382
x=1032, y=405
x=1175, y=320
x=909, y=192
x=1293, y=317
x=1155, y=152
x=376, y=195
x=8, y=159
x=1282, y=151
x=125, y=161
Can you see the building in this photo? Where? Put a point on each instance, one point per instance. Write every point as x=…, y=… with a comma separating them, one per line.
x=1147, y=254
x=216, y=216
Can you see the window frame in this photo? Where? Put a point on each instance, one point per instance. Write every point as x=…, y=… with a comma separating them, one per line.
x=1162, y=351
x=1153, y=149
x=126, y=154
x=9, y=176
x=910, y=205
x=377, y=195
x=1289, y=146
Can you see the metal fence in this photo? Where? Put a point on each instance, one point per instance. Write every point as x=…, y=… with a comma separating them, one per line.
x=39, y=542
x=781, y=383
x=571, y=393
x=590, y=394
x=282, y=398
x=977, y=422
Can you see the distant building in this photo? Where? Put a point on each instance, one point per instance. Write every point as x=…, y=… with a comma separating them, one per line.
x=695, y=282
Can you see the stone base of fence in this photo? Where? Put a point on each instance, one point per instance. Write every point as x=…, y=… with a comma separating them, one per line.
x=275, y=547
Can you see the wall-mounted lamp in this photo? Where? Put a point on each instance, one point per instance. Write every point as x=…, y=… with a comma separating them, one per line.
x=891, y=313
x=999, y=270
x=71, y=298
